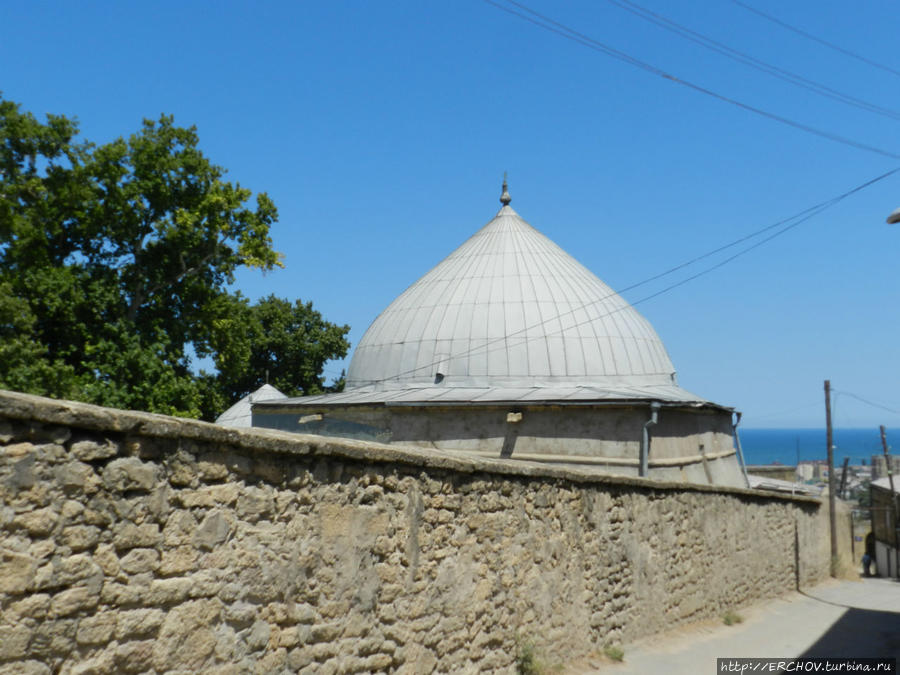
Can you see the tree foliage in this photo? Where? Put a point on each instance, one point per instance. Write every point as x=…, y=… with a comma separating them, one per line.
x=115, y=262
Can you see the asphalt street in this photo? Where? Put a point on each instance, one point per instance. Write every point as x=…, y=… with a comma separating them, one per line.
x=836, y=619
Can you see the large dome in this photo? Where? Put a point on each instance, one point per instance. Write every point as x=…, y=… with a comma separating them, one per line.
x=509, y=308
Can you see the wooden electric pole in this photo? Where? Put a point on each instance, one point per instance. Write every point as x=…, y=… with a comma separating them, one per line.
x=844, y=479
x=831, y=496
x=887, y=463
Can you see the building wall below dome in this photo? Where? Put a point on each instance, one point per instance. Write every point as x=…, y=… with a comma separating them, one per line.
x=686, y=445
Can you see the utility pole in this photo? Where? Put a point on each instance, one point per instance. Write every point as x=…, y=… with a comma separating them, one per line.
x=831, y=496
x=843, y=479
x=887, y=461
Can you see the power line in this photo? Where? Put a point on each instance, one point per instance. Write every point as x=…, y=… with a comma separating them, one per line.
x=570, y=34
x=786, y=225
x=870, y=403
x=782, y=412
x=748, y=60
x=812, y=37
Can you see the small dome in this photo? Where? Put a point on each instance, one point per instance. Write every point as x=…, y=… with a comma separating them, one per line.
x=509, y=308
x=240, y=415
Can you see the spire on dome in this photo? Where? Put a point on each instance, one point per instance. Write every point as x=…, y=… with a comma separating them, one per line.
x=505, y=199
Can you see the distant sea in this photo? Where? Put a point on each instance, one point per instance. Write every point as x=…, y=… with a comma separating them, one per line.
x=784, y=446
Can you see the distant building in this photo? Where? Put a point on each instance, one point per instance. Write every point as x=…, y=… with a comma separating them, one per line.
x=782, y=472
x=820, y=470
x=879, y=466
x=511, y=348
x=884, y=525
x=805, y=471
x=240, y=415
x=774, y=484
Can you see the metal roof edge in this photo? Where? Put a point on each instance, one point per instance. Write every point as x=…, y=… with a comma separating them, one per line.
x=499, y=403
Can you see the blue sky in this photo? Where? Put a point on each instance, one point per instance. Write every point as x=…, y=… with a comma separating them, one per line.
x=382, y=131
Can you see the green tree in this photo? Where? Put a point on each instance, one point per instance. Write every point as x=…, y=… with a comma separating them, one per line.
x=115, y=262
x=289, y=343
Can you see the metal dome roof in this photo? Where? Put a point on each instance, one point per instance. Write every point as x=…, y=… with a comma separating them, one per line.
x=509, y=308
x=240, y=415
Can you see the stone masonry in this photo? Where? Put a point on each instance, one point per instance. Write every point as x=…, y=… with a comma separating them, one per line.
x=138, y=543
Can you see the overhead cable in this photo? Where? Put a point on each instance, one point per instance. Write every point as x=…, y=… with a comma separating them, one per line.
x=785, y=225
x=564, y=31
x=783, y=412
x=867, y=402
x=748, y=60
x=812, y=37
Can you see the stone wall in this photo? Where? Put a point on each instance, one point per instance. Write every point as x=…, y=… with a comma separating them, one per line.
x=132, y=542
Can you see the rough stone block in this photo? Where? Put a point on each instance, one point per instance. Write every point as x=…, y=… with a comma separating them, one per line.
x=178, y=561
x=53, y=638
x=14, y=644
x=226, y=641
x=167, y=591
x=21, y=477
x=80, y=537
x=182, y=470
x=97, y=629
x=17, y=451
x=185, y=641
x=179, y=529
x=326, y=632
x=75, y=477
x=205, y=583
x=17, y=572
x=376, y=663
x=71, y=509
x=88, y=450
x=226, y=493
x=45, y=578
x=214, y=530
x=208, y=496
x=258, y=636
x=293, y=636
x=25, y=668
x=78, y=569
x=272, y=662
x=106, y=559
x=122, y=595
x=129, y=535
x=38, y=523
x=99, y=517
x=240, y=614
x=33, y=606
x=303, y=613
x=137, y=623
x=134, y=657
x=102, y=664
x=254, y=503
x=194, y=498
x=130, y=473
x=211, y=466
x=299, y=658
x=323, y=651
x=139, y=560
x=73, y=600
x=356, y=625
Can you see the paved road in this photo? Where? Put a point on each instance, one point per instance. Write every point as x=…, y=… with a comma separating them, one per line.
x=834, y=619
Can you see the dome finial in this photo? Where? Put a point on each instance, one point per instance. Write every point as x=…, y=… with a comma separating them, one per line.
x=505, y=199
